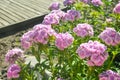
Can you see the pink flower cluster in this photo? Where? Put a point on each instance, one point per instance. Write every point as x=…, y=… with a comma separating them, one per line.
x=56, y=15
x=110, y=36
x=68, y=2
x=117, y=9
x=83, y=30
x=63, y=40
x=13, y=71
x=94, y=52
x=85, y=1
x=96, y=2
x=71, y=15
x=109, y=75
x=39, y=34
x=51, y=19
x=13, y=55
x=54, y=6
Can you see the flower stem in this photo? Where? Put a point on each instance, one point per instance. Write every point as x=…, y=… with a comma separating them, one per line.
x=111, y=61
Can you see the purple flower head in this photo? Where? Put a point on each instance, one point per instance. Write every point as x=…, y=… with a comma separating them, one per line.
x=94, y=52
x=59, y=13
x=63, y=40
x=54, y=6
x=27, y=39
x=50, y=19
x=83, y=30
x=109, y=75
x=117, y=9
x=110, y=36
x=42, y=33
x=86, y=1
x=97, y=2
x=13, y=55
x=71, y=15
x=13, y=71
x=68, y=2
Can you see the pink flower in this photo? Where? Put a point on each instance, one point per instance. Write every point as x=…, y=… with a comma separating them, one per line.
x=42, y=33
x=27, y=39
x=59, y=13
x=94, y=52
x=68, y=2
x=71, y=15
x=63, y=40
x=83, y=30
x=96, y=2
x=54, y=6
x=117, y=9
x=50, y=19
x=109, y=75
x=86, y=1
x=13, y=71
x=110, y=36
x=13, y=55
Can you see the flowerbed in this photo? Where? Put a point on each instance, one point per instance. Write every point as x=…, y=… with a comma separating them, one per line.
x=79, y=44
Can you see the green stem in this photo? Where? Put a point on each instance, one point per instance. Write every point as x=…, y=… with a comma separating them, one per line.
x=111, y=61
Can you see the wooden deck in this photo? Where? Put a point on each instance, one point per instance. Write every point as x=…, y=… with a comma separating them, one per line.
x=16, y=11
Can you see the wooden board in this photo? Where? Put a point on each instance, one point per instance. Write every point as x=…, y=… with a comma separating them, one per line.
x=15, y=11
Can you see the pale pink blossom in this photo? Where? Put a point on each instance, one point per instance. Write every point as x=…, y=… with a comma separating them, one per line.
x=13, y=71
x=63, y=40
x=83, y=30
x=13, y=55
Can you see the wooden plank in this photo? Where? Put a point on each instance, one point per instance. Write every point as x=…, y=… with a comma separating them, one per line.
x=7, y=14
x=32, y=6
x=23, y=6
x=4, y=22
x=6, y=18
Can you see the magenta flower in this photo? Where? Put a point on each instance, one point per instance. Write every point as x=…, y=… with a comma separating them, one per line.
x=110, y=36
x=50, y=19
x=83, y=30
x=68, y=2
x=13, y=55
x=42, y=33
x=59, y=13
x=63, y=40
x=97, y=2
x=54, y=6
x=117, y=9
x=13, y=71
x=71, y=15
x=109, y=75
x=27, y=39
x=86, y=1
x=94, y=52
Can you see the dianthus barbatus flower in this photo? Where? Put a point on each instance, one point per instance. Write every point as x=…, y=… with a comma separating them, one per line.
x=54, y=6
x=39, y=34
x=85, y=1
x=96, y=2
x=42, y=33
x=68, y=2
x=71, y=15
x=110, y=36
x=27, y=39
x=13, y=71
x=58, y=13
x=109, y=75
x=94, y=52
x=51, y=19
x=83, y=30
x=63, y=40
x=13, y=55
x=117, y=9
